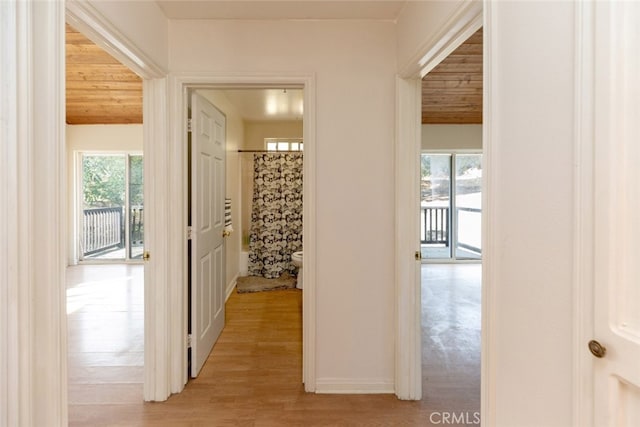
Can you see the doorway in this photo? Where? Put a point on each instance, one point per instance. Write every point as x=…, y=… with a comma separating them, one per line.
x=183, y=85
x=262, y=126
x=105, y=277
x=450, y=228
x=411, y=121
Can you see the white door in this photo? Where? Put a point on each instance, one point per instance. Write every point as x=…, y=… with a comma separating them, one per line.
x=207, y=221
x=616, y=264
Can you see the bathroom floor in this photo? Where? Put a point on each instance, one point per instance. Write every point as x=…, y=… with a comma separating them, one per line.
x=252, y=376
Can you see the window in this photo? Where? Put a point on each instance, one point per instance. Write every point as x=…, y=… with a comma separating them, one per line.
x=110, y=217
x=451, y=206
x=280, y=144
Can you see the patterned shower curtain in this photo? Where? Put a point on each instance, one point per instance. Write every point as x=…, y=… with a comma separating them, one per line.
x=276, y=217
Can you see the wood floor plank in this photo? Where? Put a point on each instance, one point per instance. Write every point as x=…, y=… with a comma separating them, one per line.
x=253, y=375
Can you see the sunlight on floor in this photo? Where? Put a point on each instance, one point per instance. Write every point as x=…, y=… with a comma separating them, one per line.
x=105, y=322
x=98, y=292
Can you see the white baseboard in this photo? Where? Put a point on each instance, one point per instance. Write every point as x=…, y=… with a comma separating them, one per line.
x=354, y=386
x=231, y=286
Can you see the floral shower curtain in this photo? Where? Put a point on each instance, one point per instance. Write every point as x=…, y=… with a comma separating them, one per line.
x=276, y=217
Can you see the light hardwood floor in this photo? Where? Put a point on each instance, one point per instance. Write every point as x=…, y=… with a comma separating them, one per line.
x=252, y=377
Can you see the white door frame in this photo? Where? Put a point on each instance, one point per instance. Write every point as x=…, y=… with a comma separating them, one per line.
x=86, y=19
x=584, y=209
x=179, y=85
x=33, y=340
x=408, y=349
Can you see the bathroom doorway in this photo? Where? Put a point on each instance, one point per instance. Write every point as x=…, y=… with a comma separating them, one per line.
x=264, y=146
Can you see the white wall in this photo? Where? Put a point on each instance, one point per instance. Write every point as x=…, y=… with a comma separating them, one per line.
x=256, y=132
x=103, y=138
x=531, y=129
x=142, y=22
x=451, y=137
x=235, y=140
x=418, y=26
x=355, y=133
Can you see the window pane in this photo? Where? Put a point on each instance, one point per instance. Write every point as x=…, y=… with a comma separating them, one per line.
x=469, y=206
x=295, y=146
x=136, y=211
x=102, y=221
x=435, y=234
x=272, y=146
x=283, y=146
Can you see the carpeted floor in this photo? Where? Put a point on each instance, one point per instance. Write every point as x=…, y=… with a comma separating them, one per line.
x=258, y=284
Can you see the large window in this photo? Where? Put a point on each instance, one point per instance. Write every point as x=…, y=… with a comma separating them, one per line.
x=111, y=225
x=451, y=206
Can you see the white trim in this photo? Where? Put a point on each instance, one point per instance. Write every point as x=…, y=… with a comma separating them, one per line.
x=176, y=197
x=583, y=231
x=47, y=258
x=408, y=306
x=90, y=22
x=179, y=85
x=76, y=206
x=354, y=386
x=490, y=255
x=9, y=275
x=32, y=292
x=453, y=151
x=159, y=314
x=467, y=16
x=231, y=286
x=11, y=390
x=309, y=232
x=465, y=23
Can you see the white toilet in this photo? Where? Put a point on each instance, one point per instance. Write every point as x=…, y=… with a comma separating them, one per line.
x=296, y=259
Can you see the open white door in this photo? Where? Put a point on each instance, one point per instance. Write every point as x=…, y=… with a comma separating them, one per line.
x=617, y=216
x=207, y=219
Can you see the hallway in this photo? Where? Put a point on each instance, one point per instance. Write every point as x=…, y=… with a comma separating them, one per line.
x=252, y=377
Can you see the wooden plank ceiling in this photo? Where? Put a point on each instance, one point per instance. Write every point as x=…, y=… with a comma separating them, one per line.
x=100, y=90
x=452, y=91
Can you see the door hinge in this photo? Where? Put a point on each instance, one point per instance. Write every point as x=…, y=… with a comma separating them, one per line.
x=189, y=232
x=189, y=341
x=189, y=125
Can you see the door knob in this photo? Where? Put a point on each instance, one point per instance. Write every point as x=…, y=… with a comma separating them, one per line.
x=597, y=349
x=146, y=256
